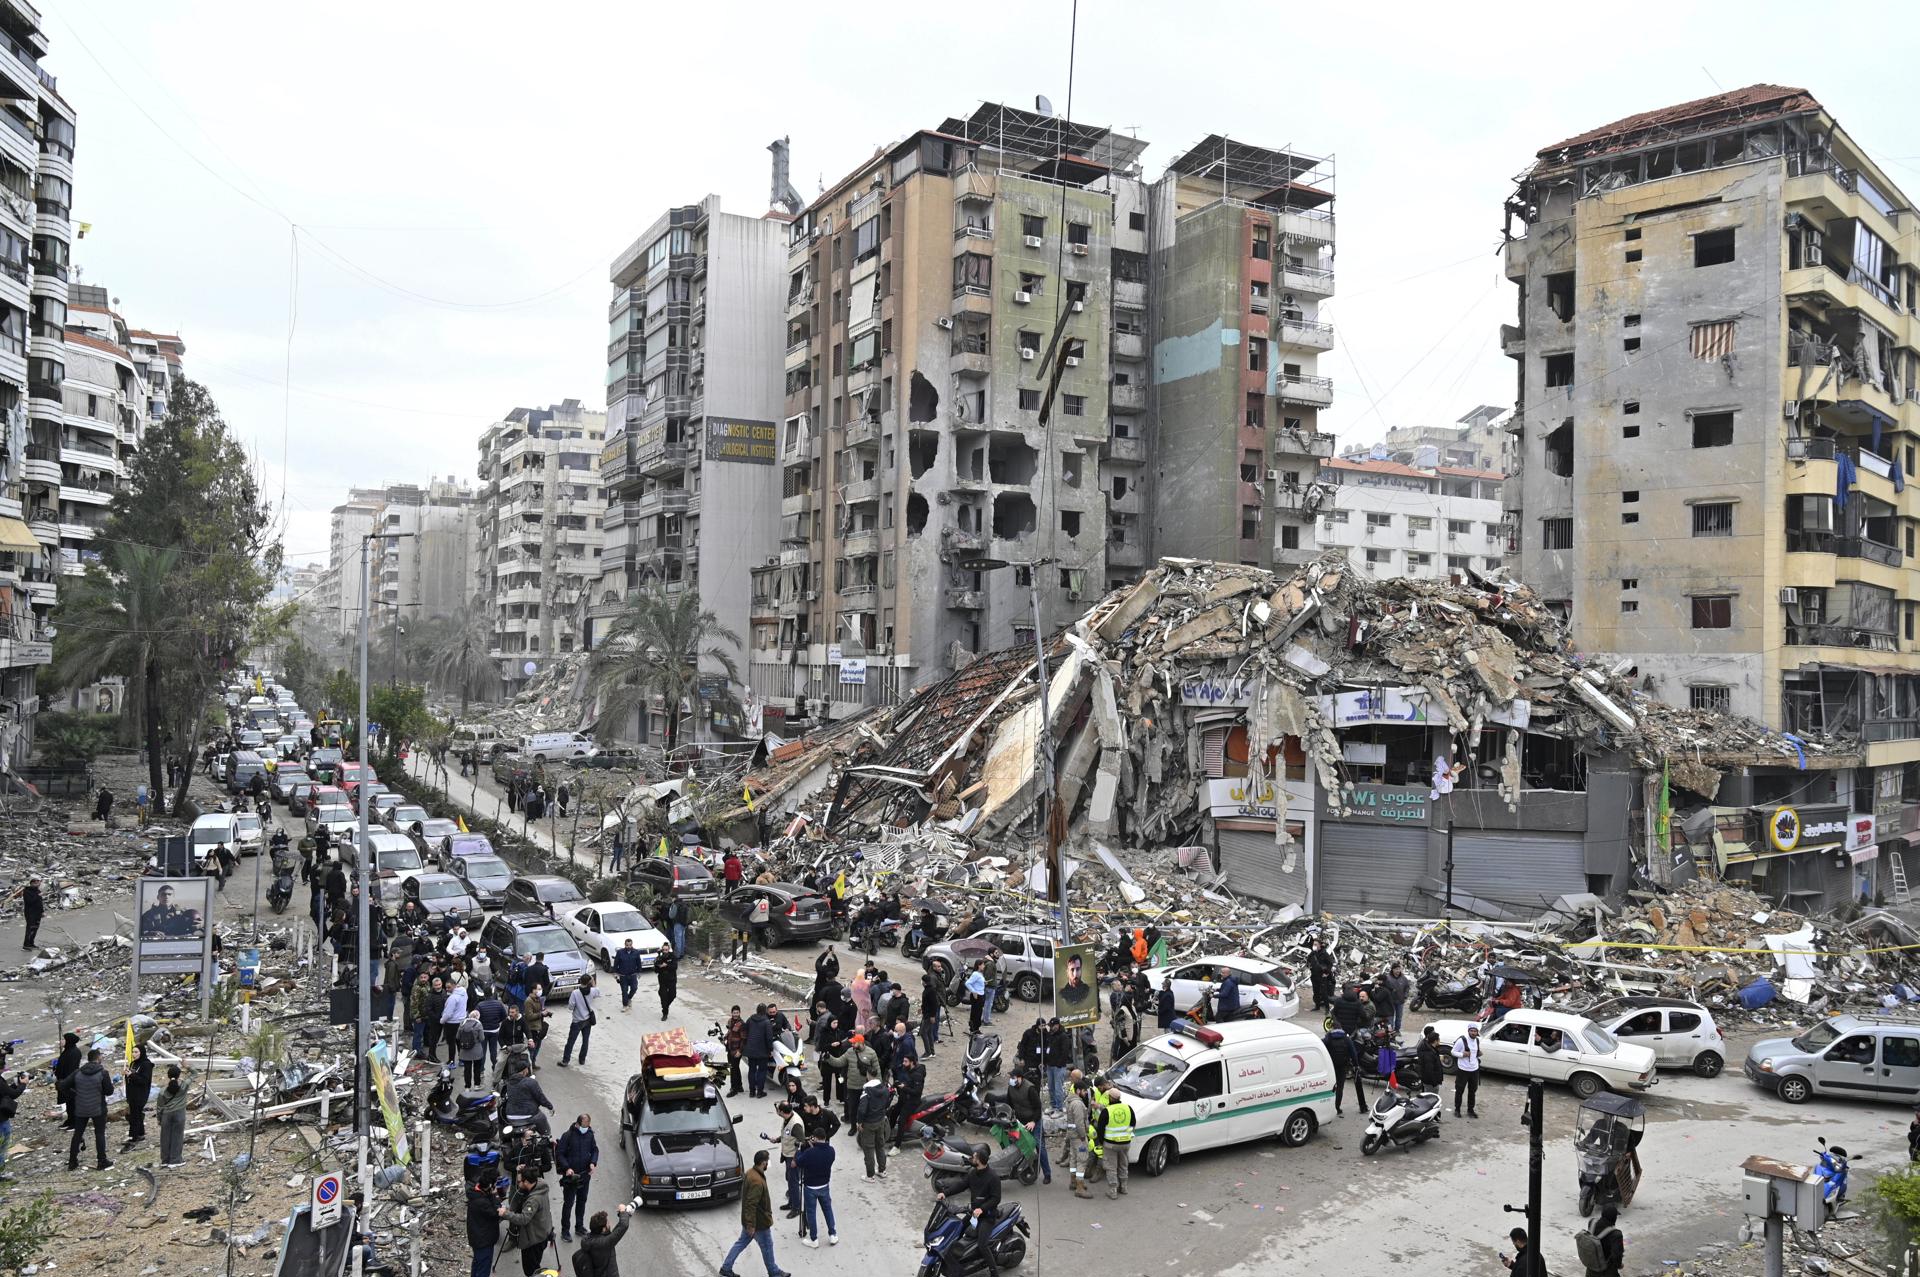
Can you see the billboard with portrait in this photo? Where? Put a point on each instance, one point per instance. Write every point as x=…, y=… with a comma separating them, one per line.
x=1076, y=997
x=171, y=935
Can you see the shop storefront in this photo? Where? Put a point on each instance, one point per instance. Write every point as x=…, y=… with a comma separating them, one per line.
x=1803, y=856
x=1523, y=870
x=1377, y=856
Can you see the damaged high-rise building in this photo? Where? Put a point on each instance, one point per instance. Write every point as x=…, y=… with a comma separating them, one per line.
x=1018, y=370
x=1717, y=367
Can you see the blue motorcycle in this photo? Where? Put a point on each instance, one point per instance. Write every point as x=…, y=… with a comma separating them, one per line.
x=1831, y=1174
x=954, y=1245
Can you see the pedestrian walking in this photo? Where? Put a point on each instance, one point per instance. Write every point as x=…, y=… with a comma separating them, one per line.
x=1320, y=971
x=564, y=796
x=1345, y=1065
x=1113, y=1130
x=1074, y=1148
x=33, y=907
x=816, y=1192
x=580, y=1028
x=1602, y=1250
x=617, y=854
x=577, y=1157
x=470, y=1045
x=758, y=921
x=453, y=1014
x=627, y=965
x=870, y=1128
x=87, y=1093
x=666, y=975
x=173, y=1119
x=756, y=1220
x=534, y=1011
x=11, y=1089
x=932, y=1003
x=483, y=1226
x=757, y=1047
x=597, y=1254
x=139, y=1088
x=532, y=1220
x=909, y=1088
x=1466, y=1069
x=103, y=805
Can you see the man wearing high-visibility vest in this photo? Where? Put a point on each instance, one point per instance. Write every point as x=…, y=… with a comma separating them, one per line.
x=1112, y=1124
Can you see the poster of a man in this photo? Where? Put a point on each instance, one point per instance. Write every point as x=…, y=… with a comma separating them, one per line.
x=173, y=909
x=1075, y=1001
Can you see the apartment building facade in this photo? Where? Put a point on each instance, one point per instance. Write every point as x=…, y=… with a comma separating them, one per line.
x=537, y=525
x=1241, y=241
x=345, y=596
x=694, y=402
x=37, y=138
x=1431, y=523
x=950, y=309
x=1717, y=364
x=425, y=567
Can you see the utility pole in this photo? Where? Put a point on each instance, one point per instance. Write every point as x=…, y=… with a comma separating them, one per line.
x=1535, y=1122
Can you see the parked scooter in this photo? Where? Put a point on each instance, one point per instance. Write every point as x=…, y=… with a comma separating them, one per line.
x=954, y=1245
x=983, y=1056
x=1403, y=1119
x=976, y=1107
x=932, y=924
x=1831, y=1174
x=1447, y=995
x=789, y=1059
x=949, y=1158
x=471, y=1111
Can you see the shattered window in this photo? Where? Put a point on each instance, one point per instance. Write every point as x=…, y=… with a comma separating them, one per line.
x=1713, y=611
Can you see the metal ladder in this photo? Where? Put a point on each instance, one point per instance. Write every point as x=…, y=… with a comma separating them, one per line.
x=1900, y=894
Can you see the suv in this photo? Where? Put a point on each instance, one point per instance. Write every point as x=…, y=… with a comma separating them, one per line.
x=1026, y=959
x=520, y=937
x=680, y=876
x=538, y=894
x=1681, y=1033
x=1871, y=1057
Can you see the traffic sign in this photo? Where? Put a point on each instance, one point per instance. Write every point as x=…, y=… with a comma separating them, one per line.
x=327, y=1200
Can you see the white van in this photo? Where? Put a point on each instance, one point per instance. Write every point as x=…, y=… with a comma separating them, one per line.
x=475, y=738
x=211, y=830
x=1203, y=1087
x=542, y=746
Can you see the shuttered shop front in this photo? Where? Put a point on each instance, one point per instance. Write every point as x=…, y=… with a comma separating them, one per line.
x=1526, y=872
x=1255, y=865
x=1377, y=867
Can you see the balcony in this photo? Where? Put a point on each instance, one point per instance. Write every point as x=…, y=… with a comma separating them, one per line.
x=1305, y=334
x=793, y=605
x=1311, y=280
x=78, y=492
x=972, y=354
x=973, y=239
x=1300, y=388
x=793, y=556
x=1313, y=225
x=1126, y=448
x=1513, y=341
x=1129, y=398
x=1303, y=443
x=859, y=598
x=966, y=600
x=668, y=458
x=1885, y=729
x=798, y=503
x=658, y=549
x=1836, y=635
x=797, y=302
x=863, y=432
x=861, y=544
x=955, y=541
x=762, y=607
x=40, y=470
x=973, y=299
x=861, y=490
x=662, y=501
x=1814, y=541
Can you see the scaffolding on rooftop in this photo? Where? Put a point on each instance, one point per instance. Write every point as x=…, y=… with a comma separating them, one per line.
x=1012, y=131
x=1281, y=178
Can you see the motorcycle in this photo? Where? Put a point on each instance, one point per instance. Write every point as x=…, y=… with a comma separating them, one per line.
x=281, y=892
x=472, y=1111
x=1831, y=1174
x=955, y=1247
x=935, y=925
x=949, y=1158
x=983, y=1056
x=1403, y=1119
x=789, y=1059
x=975, y=1106
x=1450, y=995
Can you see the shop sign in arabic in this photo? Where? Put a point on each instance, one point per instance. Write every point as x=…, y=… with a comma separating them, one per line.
x=1229, y=796
x=1401, y=804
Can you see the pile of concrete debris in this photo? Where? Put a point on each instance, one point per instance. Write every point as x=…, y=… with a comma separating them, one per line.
x=554, y=699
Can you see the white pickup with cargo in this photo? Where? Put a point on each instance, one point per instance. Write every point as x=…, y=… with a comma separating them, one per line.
x=477, y=739
x=1201, y=1087
x=542, y=746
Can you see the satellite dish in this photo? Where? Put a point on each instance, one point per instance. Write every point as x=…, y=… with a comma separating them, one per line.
x=528, y=669
x=1041, y=104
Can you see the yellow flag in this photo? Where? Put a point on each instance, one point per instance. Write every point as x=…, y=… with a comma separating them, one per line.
x=840, y=886
x=663, y=846
x=462, y=822
x=746, y=792
x=130, y=1044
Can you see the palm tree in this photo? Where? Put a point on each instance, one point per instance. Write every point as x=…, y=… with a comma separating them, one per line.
x=120, y=620
x=459, y=658
x=655, y=645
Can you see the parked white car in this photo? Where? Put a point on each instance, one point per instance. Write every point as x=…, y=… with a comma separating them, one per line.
x=250, y=834
x=604, y=926
x=1555, y=1047
x=1681, y=1033
x=1265, y=983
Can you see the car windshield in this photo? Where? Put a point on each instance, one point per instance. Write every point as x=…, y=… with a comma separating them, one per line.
x=486, y=867
x=439, y=828
x=1598, y=1039
x=545, y=940
x=290, y=778
x=1818, y=1038
x=1147, y=1072
x=248, y=822
x=408, y=815
x=558, y=892
x=335, y=799
x=431, y=890
x=623, y=921
x=709, y=1119
x=400, y=860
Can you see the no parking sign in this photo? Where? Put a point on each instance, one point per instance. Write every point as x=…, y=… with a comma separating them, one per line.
x=326, y=1200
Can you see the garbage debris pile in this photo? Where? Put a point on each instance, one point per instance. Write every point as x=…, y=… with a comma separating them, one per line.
x=1135, y=681
x=555, y=699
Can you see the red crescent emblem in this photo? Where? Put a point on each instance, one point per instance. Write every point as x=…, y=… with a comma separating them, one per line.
x=1301, y=1062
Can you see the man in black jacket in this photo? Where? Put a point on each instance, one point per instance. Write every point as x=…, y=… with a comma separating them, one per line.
x=1350, y=1011
x=907, y=1092
x=1320, y=969
x=932, y=1003
x=1023, y=1097
x=139, y=1088
x=758, y=1050
x=87, y=1093
x=576, y=1156
x=34, y=907
x=483, y=1225
x=596, y=1254
x=1032, y=1047
x=627, y=965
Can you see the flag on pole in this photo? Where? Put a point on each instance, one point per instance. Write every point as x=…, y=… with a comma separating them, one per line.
x=462, y=822
x=1157, y=956
x=840, y=886
x=130, y=1045
x=662, y=850
x=1666, y=806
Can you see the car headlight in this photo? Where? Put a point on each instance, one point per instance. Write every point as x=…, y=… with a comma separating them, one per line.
x=1766, y=1065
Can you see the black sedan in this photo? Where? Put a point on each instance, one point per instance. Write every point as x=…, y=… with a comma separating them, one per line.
x=444, y=900
x=683, y=1148
x=793, y=911
x=680, y=876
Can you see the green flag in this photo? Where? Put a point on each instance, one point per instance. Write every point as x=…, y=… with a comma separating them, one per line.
x=1666, y=807
x=1157, y=956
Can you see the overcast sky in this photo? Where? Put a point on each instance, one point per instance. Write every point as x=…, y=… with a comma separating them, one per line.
x=463, y=175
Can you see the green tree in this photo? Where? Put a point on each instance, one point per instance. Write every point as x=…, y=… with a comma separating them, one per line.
x=70, y=739
x=1893, y=1200
x=401, y=710
x=121, y=618
x=459, y=658
x=191, y=489
x=655, y=645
